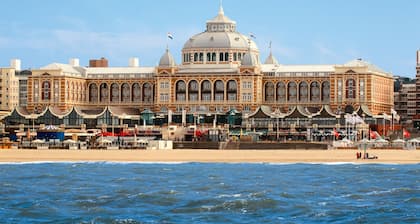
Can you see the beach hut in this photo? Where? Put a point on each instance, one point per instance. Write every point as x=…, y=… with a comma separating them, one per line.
x=345, y=142
x=71, y=144
x=40, y=144
x=380, y=142
x=38, y=141
x=413, y=143
x=399, y=143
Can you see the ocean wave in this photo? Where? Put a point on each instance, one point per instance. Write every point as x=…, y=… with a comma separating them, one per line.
x=112, y=192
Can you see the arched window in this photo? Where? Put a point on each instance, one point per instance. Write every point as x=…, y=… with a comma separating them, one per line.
x=219, y=90
x=136, y=92
x=104, y=93
x=180, y=91
x=208, y=57
x=125, y=92
x=147, y=93
x=315, y=93
x=350, y=89
x=46, y=90
x=206, y=90
x=115, y=92
x=269, y=92
x=93, y=93
x=292, y=92
x=73, y=90
x=281, y=92
x=303, y=92
x=213, y=56
x=232, y=90
x=221, y=56
x=226, y=56
x=201, y=56
x=325, y=97
x=193, y=90
x=195, y=56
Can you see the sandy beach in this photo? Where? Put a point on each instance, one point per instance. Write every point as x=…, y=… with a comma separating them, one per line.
x=229, y=156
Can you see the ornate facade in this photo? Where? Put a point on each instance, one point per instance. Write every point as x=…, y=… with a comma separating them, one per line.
x=220, y=71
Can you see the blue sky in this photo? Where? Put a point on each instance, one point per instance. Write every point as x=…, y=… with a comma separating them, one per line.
x=384, y=32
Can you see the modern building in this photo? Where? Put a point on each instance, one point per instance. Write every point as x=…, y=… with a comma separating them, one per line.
x=405, y=101
x=416, y=120
x=9, y=86
x=220, y=74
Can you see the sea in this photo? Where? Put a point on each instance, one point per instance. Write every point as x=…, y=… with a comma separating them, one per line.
x=108, y=192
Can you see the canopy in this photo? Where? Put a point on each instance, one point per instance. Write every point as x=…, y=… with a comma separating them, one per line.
x=38, y=141
x=69, y=141
x=398, y=141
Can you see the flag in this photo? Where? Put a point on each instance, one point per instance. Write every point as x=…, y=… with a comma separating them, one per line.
x=252, y=35
x=170, y=36
x=372, y=134
x=393, y=111
x=406, y=134
x=336, y=134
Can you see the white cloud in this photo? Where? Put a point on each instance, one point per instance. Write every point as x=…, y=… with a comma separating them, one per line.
x=118, y=46
x=324, y=51
x=285, y=52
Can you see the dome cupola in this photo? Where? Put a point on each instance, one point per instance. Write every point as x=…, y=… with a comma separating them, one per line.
x=220, y=43
x=167, y=60
x=221, y=23
x=250, y=59
x=271, y=60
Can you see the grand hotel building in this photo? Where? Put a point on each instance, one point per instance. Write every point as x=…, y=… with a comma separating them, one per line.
x=221, y=71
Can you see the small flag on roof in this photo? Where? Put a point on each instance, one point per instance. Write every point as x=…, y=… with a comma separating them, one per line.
x=252, y=35
x=170, y=36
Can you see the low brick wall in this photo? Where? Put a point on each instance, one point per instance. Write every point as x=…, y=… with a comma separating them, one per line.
x=250, y=145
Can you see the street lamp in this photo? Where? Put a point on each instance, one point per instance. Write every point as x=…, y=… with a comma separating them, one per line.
x=277, y=115
x=32, y=117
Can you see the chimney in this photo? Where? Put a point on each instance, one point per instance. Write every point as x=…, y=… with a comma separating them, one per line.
x=133, y=62
x=74, y=62
x=418, y=57
x=16, y=64
x=103, y=62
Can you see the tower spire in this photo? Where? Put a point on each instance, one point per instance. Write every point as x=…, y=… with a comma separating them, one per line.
x=221, y=12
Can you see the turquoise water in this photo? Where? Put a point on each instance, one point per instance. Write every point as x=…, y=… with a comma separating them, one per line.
x=208, y=193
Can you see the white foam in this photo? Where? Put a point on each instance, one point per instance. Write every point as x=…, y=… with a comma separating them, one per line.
x=103, y=162
x=229, y=196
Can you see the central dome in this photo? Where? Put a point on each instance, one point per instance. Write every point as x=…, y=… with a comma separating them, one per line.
x=219, y=43
x=220, y=40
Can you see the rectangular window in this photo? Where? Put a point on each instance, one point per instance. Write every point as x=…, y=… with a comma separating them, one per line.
x=247, y=85
x=246, y=97
x=164, y=85
x=164, y=97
